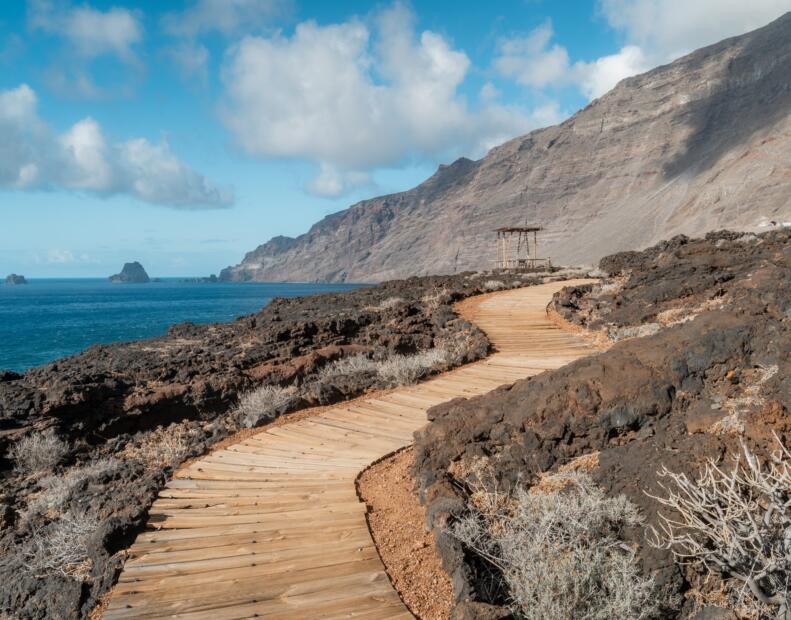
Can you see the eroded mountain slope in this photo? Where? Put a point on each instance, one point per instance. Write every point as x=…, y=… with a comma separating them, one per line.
x=700, y=144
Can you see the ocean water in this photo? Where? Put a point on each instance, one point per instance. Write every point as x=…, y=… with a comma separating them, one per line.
x=49, y=318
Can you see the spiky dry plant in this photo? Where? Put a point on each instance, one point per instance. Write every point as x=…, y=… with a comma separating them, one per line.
x=735, y=524
x=61, y=546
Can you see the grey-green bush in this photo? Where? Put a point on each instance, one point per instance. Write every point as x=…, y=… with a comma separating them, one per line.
x=559, y=552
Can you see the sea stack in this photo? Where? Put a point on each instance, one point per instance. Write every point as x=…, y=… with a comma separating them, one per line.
x=15, y=279
x=132, y=273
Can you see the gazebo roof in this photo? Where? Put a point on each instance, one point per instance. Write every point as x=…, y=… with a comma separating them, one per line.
x=513, y=229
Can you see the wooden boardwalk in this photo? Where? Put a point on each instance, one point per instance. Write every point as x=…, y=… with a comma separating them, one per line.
x=272, y=526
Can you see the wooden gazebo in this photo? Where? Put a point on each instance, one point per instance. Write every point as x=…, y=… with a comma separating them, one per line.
x=514, y=250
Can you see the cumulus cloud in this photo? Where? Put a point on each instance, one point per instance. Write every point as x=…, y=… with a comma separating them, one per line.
x=33, y=156
x=532, y=60
x=656, y=31
x=666, y=29
x=535, y=61
x=57, y=256
x=597, y=77
x=227, y=17
x=90, y=32
x=356, y=96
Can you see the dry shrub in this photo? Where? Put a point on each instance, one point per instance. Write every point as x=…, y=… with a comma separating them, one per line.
x=407, y=369
x=638, y=331
x=391, y=302
x=264, y=404
x=395, y=370
x=61, y=547
x=559, y=552
x=750, y=399
x=163, y=447
x=351, y=365
x=461, y=347
x=39, y=453
x=735, y=525
x=493, y=285
x=436, y=298
x=57, y=490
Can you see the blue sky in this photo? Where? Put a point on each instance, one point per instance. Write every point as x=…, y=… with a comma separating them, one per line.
x=183, y=134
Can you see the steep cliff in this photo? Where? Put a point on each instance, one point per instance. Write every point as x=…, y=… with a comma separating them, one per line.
x=700, y=144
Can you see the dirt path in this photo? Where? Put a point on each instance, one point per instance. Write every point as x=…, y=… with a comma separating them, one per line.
x=272, y=526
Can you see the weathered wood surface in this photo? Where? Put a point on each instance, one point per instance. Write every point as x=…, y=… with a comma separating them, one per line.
x=272, y=526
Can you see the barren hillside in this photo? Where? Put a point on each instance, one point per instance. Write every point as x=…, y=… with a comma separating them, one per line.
x=700, y=144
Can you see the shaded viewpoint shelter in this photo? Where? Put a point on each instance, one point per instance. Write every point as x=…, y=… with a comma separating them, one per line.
x=516, y=251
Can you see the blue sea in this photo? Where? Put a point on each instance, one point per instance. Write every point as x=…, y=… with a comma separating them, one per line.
x=49, y=318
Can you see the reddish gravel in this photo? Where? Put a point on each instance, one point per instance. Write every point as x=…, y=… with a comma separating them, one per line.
x=398, y=524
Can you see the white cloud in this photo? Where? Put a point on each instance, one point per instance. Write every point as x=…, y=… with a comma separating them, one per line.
x=32, y=156
x=156, y=175
x=666, y=29
x=657, y=31
x=58, y=256
x=331, y=182
x=536, y=62
x=225, y=16
x=90, y=32
x=87, y=156
x=597, y=77
x=548, y=114
x=532, y=61
x=356, y=96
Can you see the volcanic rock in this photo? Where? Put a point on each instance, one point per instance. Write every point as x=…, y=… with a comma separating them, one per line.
x=15, y=279
x=132, y=273
x=717, y=373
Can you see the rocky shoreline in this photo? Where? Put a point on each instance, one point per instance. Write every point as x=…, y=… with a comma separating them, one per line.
x=87, y=441
x=701, y=364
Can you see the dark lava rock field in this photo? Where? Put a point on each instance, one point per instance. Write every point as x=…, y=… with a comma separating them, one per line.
x=701, y=362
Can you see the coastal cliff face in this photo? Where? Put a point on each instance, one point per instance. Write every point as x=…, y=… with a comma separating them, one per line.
x=696, y=145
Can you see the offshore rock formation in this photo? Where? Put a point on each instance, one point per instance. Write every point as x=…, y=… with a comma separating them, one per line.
x=700, y=144
x=132, y=273
x=15, y=279
x=715, y=372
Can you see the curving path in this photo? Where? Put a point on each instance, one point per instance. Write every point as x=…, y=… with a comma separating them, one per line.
x=272, y=526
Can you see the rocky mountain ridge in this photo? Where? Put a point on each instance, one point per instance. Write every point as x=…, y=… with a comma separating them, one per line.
x=699, y=144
